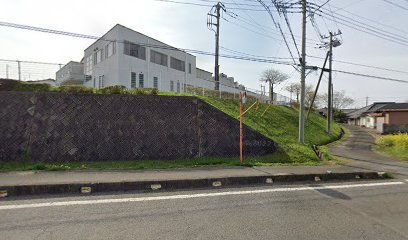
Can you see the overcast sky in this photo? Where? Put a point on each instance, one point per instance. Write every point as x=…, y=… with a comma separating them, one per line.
x=184, y=26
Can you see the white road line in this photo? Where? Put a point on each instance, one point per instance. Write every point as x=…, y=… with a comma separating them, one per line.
x=189, y=196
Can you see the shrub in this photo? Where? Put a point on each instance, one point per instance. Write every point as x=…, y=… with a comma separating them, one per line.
x=8, y=84
x=340, y=117
x=75, y=89
x=14, y=85
x=116, y=89
x=142, y=91
x=32, y=87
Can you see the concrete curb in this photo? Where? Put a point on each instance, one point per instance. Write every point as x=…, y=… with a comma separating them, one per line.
x=146, y=186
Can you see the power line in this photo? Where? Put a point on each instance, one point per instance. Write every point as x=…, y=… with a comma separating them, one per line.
x=237, y=57
x=206, y=5
x=365, y=65
x=396, y=5
x=362, y=28
x=368, y=26
x=371, y=76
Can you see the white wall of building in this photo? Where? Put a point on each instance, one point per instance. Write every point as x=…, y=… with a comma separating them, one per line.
x=368, y=121
x=117, y=69
x=71, y=73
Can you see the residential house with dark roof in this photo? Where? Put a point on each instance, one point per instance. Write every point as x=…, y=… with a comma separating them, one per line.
x=361, y=117
x=391, y=118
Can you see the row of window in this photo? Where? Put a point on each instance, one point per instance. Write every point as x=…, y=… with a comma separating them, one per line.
x=133, y=82
x=98, y=56
x=138, y=51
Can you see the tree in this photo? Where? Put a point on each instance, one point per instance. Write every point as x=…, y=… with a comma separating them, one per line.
x=294, y=88
x=340, y=100
x=273, y=77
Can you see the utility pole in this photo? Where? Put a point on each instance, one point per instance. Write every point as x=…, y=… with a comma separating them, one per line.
x=334, y=42
x=366, y=101
x=217, y=49
x=7, y=71
x=19, y=70
x=329, y=91
x=303, y=77
x=217, y=10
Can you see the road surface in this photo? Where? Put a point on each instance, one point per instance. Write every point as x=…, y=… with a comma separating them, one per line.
x=358, y=152
x=352, y=210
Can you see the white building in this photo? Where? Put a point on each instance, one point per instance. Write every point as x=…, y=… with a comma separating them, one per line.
x=125, y=57
x=71, y=74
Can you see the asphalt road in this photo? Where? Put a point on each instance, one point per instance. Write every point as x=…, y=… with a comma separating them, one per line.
x=341, y=211
x=358, y=151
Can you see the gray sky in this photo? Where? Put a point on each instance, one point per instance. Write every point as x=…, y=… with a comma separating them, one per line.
x=184, y=26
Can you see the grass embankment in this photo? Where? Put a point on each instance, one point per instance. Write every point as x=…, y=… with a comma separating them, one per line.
x=394, y=145
x=280, y=123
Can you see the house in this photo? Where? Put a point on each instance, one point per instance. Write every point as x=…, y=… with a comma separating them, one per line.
x=391, y=118
x=361, y=117
x=71, y=74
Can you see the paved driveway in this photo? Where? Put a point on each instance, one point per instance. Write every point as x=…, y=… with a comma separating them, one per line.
x=359, y=153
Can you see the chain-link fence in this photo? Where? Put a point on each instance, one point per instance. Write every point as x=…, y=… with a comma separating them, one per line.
x=36, y=71
x=232, y=93
x=28, y=70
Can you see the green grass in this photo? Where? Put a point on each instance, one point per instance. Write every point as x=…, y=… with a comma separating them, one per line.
x=394, y=145
x=279, y=123
x=146, y=164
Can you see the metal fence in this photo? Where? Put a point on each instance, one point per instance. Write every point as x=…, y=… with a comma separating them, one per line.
x=28, y=70
x=232, y=93
x=34, y=71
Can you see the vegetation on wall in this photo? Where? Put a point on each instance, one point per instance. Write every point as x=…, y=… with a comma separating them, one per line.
x=20, y=86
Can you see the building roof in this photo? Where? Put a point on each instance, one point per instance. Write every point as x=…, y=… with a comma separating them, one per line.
x=346, y=111
x=200, y=69
x=119, y=25
x=368, y=109
x=394, y=107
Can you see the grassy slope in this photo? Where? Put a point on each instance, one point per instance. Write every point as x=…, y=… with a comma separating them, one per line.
x=280, y=123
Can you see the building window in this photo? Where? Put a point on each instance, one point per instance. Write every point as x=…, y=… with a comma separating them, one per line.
x=189, y=68
x=133, y=80
x=97, y=57
x=177, y=64
x=88, y=65
x=178, y=87
x=141, y=81
x=110, y=49
x=156, y=82
x=159, y=58
x=134, y=50
x=101, y=81
x=171, y=86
